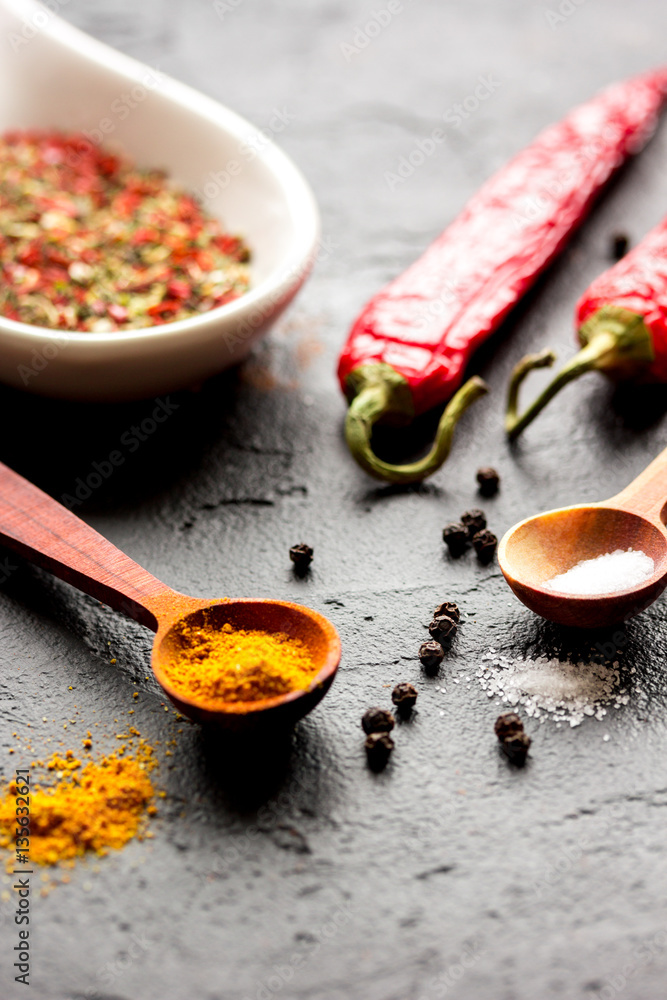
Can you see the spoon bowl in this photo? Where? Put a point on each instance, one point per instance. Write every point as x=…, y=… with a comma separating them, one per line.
x=43, y=531
x=312, y=629
x=546, y=545
x=53, y=76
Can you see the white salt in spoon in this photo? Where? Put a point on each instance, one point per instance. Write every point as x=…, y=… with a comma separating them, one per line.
x=542, y=547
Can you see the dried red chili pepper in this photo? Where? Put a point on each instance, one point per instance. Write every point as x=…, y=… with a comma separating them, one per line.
x=408, y=349
x=621, y=324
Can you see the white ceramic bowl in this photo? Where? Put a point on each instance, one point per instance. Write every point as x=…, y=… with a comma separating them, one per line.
x=54, y=76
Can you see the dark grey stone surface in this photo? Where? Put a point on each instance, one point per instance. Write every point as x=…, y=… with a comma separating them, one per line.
x=293, y=872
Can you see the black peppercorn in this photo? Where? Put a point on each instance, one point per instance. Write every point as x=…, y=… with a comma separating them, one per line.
x=378, y=750
x=377, y=720
x=516, y=747
x=514, y=741
x=488, y=480
x=508, y=724
x=431, y=654
x=485, y=544
x=302, y=556
x=404, y=697
x=473, y=521
x=455, y=538
x=619, y=246
x=442, y=628
x=449, y=609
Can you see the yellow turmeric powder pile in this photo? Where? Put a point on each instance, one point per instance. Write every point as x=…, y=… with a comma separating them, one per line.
x=229, y=665
x=93, y=807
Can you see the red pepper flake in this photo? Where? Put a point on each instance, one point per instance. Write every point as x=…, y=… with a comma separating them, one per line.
x=119, y=313
x=178, y=289
x=162, y=308
x=87, y=242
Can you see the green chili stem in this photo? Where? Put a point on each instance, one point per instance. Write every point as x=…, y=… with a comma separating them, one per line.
x=615, y=341
x=383, y=393
x=544, y=359
x=585, y=361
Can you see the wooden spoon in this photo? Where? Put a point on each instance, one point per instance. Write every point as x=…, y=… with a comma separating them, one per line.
x=541, y=547
x=43, y=531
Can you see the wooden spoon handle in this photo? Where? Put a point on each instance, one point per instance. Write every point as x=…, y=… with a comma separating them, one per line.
x=43, y=531
x=647, y=494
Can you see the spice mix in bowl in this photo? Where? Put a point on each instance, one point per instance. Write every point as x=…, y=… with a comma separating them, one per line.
x=204, y=171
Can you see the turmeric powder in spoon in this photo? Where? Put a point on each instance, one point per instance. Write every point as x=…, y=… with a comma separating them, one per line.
x=232, y=665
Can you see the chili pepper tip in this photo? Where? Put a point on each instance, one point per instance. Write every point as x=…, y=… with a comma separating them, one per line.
x=379, y=390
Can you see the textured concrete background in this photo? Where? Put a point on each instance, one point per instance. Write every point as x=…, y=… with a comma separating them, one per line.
x=549, y=882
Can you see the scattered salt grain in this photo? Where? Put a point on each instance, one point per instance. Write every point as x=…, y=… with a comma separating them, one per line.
x=606, y=574
x=550, y=688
